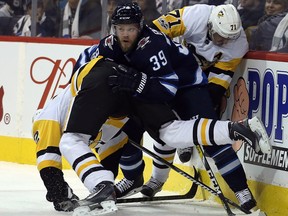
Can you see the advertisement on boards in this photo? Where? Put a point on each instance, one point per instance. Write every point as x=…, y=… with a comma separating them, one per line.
x=259, y=88
x=32, y=74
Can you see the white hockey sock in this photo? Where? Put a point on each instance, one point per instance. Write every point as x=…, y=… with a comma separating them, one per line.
x=183, y=134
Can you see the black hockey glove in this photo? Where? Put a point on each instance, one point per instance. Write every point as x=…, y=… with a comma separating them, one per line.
x=128, y=80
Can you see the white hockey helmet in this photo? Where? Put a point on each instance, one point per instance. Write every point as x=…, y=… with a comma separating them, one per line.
x=225, y=20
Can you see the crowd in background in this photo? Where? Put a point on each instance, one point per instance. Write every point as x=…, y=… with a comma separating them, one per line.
x=264, y=21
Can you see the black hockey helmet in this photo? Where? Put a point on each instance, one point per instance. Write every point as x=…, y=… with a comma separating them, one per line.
x=127, y=14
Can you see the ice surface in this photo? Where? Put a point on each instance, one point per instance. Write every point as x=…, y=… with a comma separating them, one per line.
x=22, y=193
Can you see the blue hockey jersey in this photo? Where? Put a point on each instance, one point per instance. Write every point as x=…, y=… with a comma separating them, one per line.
x=168, y=64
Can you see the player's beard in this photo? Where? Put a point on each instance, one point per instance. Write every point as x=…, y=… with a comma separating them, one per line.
x=128, y=47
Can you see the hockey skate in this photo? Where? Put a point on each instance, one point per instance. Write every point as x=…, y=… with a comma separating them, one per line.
x=246, y=199
x=66, y=200
x=101, y=201
x=126, y=187
x=252, y=132
x=152, y=187
x=257, y=127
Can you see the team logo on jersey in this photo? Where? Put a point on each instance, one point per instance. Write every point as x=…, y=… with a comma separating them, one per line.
x=94, y=141
x=142, y=43
x=204, y=63
x=163, y=23
x=220, y=14
x=217, y=57
x=95, y=54
x=1, y=102
x=109, y=42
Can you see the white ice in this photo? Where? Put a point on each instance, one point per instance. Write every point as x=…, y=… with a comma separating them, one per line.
x=22, y=193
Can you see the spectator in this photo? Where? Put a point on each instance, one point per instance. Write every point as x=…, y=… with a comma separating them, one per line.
x=262, y=35
x=171, y=5
x=12, y=8
x=218, y=2
x=6, y=11
x=280, y=39
x=61, y=4
x=149, y=10
x=193, y=2
x=112, y=4
x=10, y=12
x=68, y=18
x=250, y=12
x=87, y=21
x=53, y=10
x=176, y=4
x=209, y=2
x=45, y=27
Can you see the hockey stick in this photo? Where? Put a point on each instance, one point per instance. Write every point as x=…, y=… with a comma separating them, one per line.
x=189, y=195
x=215, y=182
x=191, y=178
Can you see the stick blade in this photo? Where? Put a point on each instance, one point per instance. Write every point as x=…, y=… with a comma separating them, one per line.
x=189, y=195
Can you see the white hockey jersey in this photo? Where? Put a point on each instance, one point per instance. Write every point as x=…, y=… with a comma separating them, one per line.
x=191, y=23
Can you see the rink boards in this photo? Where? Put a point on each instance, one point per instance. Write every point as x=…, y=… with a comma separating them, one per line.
x=34, y=70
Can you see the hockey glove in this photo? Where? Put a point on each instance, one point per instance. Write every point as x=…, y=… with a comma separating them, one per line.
x=128, y=80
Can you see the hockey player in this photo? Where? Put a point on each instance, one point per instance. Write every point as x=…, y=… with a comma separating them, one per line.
x=111, y=90
x=228, y=61
x=218, y=41
x=104, y=194
x=131, y=161
x=109, y=144
x=47, y=130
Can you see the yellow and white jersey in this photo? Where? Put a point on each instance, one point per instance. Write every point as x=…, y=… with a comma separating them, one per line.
x=191, y=23
x=47, y=129
x=112, y=125
x=79, y=75
x=48, y=125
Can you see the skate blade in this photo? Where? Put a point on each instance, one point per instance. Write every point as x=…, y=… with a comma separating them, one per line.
x=257, y=126
x=132, y=192
x=108, y=207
